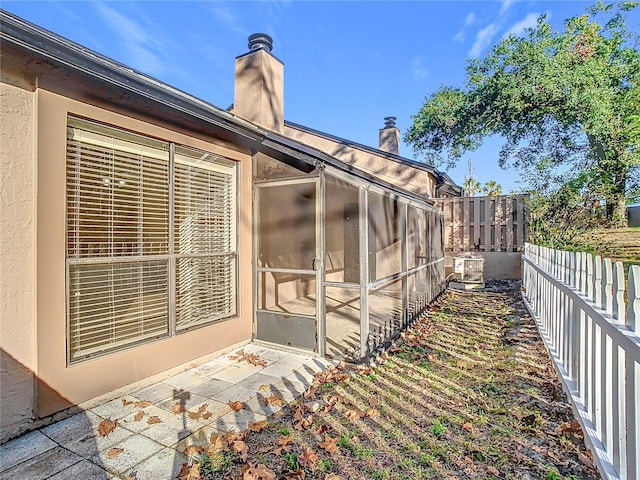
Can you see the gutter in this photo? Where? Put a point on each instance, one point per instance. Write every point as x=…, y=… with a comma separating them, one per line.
x=43, y=43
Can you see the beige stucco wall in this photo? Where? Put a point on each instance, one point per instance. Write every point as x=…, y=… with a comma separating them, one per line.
x=404, y=176
x=259, y=90
x=497, y=265
x=17, y=260
x=59, y=385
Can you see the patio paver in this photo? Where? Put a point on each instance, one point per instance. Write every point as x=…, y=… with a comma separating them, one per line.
x=72, y=448
x=84, y=470
x=23, y=448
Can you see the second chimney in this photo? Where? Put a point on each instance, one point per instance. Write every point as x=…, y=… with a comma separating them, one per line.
x=259, y=85
x=390, y=136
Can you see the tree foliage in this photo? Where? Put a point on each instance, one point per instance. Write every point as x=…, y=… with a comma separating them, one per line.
x=492, y=188
x=565, y=100
x=471, y=186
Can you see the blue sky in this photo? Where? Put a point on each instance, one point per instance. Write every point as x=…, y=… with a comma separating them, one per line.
x=347, y=64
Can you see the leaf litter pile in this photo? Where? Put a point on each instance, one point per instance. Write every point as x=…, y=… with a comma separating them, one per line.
x=468, y=392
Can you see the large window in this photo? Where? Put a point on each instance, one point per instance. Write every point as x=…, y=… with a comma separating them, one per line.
x=151, y=238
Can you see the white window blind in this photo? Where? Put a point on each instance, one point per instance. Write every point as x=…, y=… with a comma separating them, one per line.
x=120, y=260
x=204, y=238
x=117, y=193
x=115, y=304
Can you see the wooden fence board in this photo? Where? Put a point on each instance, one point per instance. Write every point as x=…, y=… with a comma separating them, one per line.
x=496, y=223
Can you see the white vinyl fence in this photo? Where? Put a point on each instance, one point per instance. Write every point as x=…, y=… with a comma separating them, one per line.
x=593, y=335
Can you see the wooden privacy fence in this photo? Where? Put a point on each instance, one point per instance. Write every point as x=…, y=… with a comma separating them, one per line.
x=485, y=224
x=593, y=337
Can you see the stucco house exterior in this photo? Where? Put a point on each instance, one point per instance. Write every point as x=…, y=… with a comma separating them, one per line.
x=145, y=230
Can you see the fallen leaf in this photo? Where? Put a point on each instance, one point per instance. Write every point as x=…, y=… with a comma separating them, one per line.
x=114, y=452
x=464, y=364
x=322, y=429
x=189, y=472
x=106, y=427
x=314, y=406
x=241, y=447
x=236, y=406
x=585, y=459
x=230, y=437
x=126, y=402
x=217, y=444
x=327, y=407
x=258, y=426
x=194, y=415
x=333, y=476
x=284, y=440
x=153, y=420
x=373, y=401
x=304, y=422
x=468, y=427
x=568, y=428
x=352, y=414
x=257, y=472
x=492, y=470
x=309, y=392
x=143, y=404
x=329, y=444
x=177, y=408
x=297, y=475
x=272, y=399
x=252, y=358
x=308, y=458
x=372, y=412
x=278, y=451
x=138, y=416
x=193, y=450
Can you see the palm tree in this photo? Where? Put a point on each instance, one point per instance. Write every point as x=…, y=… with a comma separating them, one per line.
x=492, y=188
x=471, y=186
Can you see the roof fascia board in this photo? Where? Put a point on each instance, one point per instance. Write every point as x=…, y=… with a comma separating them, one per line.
x=48, y=45
x=340, y=169
x=360, y=146
x=390, y=156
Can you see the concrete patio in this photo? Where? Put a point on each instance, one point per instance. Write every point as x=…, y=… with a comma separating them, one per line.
x=142, y=449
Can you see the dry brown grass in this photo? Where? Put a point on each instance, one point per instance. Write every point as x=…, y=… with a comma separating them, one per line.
x=622, y=244
x=467, y=393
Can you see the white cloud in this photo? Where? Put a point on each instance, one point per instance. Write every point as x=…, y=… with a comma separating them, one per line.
x=470, y=19
x=138, y=41
x=483, y=39
x=227, y=18
x=505, y=6
x=517, y=28
x=418, y=68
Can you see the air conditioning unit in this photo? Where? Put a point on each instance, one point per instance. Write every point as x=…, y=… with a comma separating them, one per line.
x=469, y=268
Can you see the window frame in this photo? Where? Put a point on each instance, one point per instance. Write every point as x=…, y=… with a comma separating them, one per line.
x=218, y=163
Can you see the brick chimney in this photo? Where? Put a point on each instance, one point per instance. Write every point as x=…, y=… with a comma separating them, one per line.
x=259, y=85
x=390, y=136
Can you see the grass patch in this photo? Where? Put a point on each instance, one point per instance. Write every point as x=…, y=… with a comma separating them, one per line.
x=452, y=399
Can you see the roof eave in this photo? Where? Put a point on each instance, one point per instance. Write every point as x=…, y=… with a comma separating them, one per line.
x=53, y=48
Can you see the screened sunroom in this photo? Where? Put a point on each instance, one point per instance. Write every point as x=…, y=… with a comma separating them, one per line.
x=342, y=260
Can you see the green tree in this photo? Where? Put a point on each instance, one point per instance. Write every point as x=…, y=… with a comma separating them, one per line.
x=565, y=100
x=492, y=188
x=471, y=187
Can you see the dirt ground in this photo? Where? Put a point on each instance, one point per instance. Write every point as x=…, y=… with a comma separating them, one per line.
x=468, y=392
